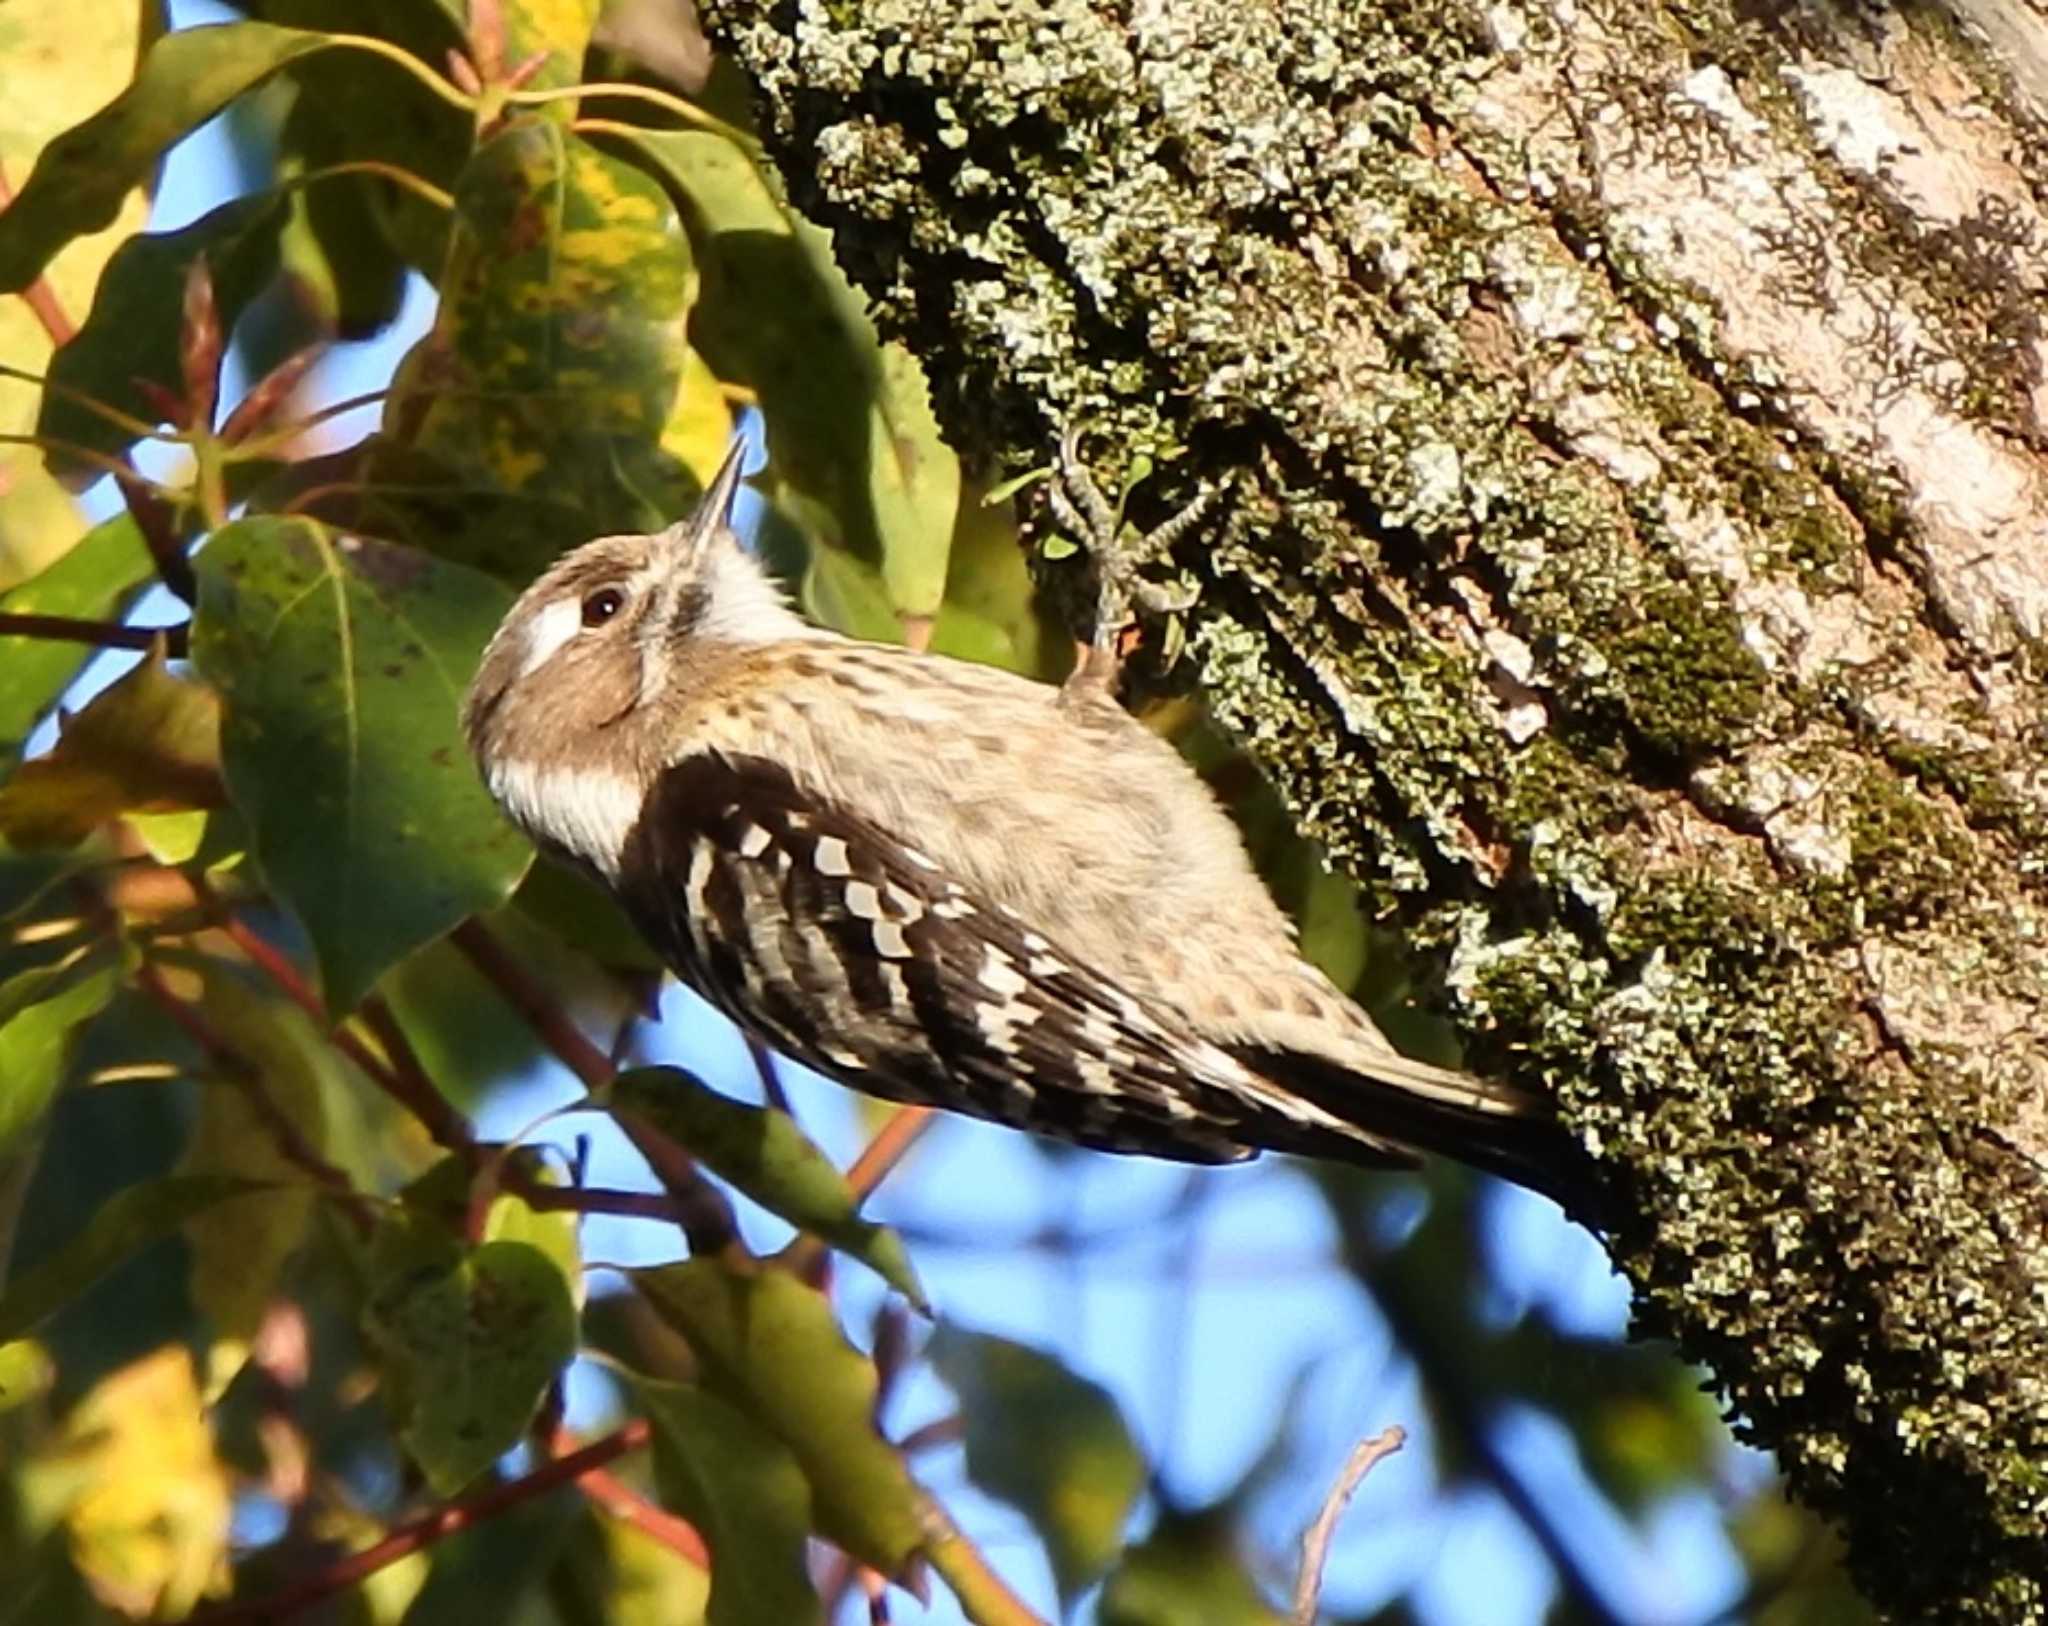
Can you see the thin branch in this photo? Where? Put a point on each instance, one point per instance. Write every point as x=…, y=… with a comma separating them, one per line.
x=650, y=1205
x=628, y=1506
x=889, y=1147
x=702, y=1209
x=1315, y=1545
x=40, y=297
x=985, y=1597
x=414, y=1089
x=277, y=966
x=158, y=529
x=947, y=1430
x=540, y=1010
x=417, y=1534
x=104, y=634
x=290, y=1139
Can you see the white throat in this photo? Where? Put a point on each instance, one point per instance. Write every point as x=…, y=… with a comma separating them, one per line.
x=588, y=810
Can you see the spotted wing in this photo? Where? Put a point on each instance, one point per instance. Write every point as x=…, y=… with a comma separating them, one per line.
x=846, y=949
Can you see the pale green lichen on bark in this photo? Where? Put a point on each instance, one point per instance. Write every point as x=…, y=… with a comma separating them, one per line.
x=1268, y=254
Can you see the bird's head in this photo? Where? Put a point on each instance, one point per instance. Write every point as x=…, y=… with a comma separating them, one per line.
x=594, y=651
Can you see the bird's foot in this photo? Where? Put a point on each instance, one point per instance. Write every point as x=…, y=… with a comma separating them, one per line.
x=1118, y=553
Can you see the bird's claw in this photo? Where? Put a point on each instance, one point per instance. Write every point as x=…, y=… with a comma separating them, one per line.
x=1118, y=554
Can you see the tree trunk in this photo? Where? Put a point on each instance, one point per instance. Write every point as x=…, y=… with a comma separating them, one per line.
x=1635, y=569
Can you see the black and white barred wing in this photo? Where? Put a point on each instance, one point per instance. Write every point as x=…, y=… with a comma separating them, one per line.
x=849, y=951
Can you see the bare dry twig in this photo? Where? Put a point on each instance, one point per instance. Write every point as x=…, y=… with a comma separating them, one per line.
x=1315, y=1546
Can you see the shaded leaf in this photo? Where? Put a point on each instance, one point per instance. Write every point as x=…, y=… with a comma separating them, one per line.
x=60, y=57
x=341, y=663
x=748, y=1498
x=1187, y=1572
x=96, y=581
x=130, y=340
x=1050, y=1443
x=41, y=1012
x=149, y=741
x=126, y=1222
x=764, y=1154
x=556, y=359
x=238, y=1248
x=471, y=1339
x=850, y=427
x=79, y=181
x=768, y=1345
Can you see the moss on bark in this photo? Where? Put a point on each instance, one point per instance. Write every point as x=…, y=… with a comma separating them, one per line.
x=1567, y=624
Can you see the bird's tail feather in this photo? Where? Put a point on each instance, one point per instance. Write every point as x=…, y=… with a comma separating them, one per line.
x=1410, y=1106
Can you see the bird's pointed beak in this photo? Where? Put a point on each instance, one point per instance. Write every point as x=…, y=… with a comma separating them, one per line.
x=714, y=509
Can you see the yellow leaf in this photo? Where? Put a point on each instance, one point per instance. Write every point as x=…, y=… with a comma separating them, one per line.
x=149, y=1518
x=62, y=58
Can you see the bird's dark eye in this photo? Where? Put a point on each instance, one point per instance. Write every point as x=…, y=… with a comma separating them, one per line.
x=602, y=605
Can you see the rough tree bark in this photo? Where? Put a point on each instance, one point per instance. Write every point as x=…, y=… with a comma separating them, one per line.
x=1636, y=571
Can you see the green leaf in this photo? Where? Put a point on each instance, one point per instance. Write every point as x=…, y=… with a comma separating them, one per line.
x=79, y=181
x=127, y=1222
x=151, y=740
x=556, y=365
x=341, y=662
x=95, y=581
x=471, y=1339
x=762, y=1152
x=850, y=426
x=553, y=1231
x=1050, y=1443
x=41, y=1012
x=238, y=1248
x=132, y=331
x=1187, y=1572
x=747, y=1497
x=768, y=1345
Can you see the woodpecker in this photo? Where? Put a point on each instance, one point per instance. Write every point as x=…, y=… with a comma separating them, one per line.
x=943, y=883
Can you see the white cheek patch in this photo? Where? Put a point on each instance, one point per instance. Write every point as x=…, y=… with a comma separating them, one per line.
x=590, y=811
x=548, y=632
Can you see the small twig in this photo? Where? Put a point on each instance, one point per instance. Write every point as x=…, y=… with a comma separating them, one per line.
x=540, y=1010
x=703, y=1211
x=947, y=1430
x=772, y=1088
x=158, y=529
x=985, y=1597
x=538, y=1195
x=417, y=1534
x=39, y=295
x=891, y=1143
x=432, y=1109
x=628, y=1506
x=1315, y=1546
x=415, y=1090
x=290, y=1139
x=106, y=634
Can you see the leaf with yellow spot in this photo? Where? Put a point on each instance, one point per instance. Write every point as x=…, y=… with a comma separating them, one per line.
x=556, y=387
